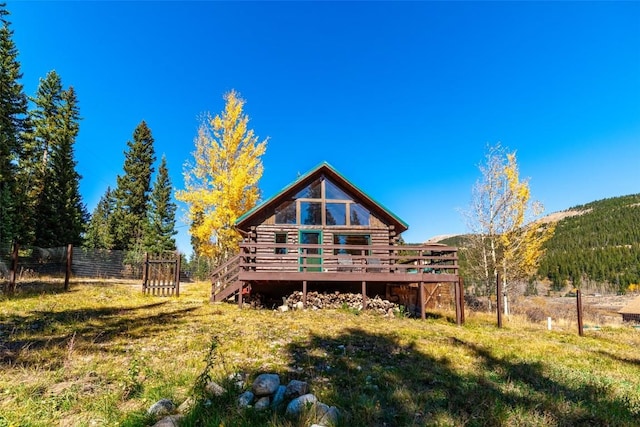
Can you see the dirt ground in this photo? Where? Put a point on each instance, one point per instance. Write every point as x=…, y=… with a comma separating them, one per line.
x=600, y=310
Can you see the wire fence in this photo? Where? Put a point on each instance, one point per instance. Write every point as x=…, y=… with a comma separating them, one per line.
x=33, y=263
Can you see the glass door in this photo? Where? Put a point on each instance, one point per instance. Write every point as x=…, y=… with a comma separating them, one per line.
x=310, y=258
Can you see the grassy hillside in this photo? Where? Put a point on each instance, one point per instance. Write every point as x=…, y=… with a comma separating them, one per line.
x=101, y=354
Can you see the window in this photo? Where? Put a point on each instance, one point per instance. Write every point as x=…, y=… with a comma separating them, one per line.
x=331, y=191
x=286, y=213
x=359, y=215
x=311, y=213
x=322, y=203
x=336, y=213
x=311, y=191
x=351, y=240
x=281, y=238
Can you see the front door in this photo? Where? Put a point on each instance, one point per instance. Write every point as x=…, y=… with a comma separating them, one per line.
x=310, y=259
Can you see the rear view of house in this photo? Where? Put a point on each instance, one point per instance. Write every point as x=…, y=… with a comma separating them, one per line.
x=323, y=233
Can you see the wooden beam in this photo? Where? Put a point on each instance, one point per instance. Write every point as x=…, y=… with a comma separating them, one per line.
x=499, y=299
x=364, y=295
x=240, y=294
x=421, y=300
x=13, y=270
x=579, y=307
x=461, y=283
x=304, y=294
x=459, y=315
x=67, y=273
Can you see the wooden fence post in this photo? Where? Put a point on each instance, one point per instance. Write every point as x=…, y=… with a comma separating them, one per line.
x=579, y=306
x=145, y=271
x=13, y=268
x=499, y=299
x=462, y=300
x=67, y=273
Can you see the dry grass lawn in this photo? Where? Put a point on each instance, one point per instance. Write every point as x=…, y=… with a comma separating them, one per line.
x=102, y=353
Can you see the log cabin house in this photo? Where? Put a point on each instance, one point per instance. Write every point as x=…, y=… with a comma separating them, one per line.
x=323, y=233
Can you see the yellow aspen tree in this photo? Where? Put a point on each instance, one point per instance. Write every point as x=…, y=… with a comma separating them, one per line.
x=523, y=237
x=221, y=181
x=485, y=223
x=505, y=235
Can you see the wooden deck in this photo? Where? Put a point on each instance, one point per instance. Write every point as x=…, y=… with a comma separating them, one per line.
x=344, y=263
x=282, y=267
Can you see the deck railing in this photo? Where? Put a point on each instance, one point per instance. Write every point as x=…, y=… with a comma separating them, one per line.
x=331, y=258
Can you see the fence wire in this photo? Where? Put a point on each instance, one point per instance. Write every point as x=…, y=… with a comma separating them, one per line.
x=35, y=263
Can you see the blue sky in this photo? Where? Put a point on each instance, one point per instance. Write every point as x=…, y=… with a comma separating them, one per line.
x=401, y=97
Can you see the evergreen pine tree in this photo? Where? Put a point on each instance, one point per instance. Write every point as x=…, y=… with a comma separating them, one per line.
x=132, y=192
x=48, y=165
x=67, y=201
x=99, y=230
x=162, y=214
x=13, y=112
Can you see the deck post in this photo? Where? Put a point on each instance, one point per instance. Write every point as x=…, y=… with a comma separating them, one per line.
x=240, y=294
x=364, y=295
x=421, y=300
x=304, y=294
x=459, y=315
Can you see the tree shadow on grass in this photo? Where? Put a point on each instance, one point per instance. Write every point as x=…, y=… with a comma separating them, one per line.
x=628, y=360
x=377, y=381
x=31, y=289
x=21, y=335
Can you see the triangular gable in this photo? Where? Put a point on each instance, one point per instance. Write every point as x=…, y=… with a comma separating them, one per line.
x=324, y=168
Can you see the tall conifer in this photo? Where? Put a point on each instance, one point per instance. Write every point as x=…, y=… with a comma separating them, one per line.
x=48, y=165
x=13, y=111
x=162, y=214
x=100, y=230
x=132, y=192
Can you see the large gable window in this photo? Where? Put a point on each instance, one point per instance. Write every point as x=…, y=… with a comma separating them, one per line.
x=286, y=213
x=331, y=191
x=359, y=215
x=336, y=213
x=322, y=202
x=311, y=213
x=311, y=191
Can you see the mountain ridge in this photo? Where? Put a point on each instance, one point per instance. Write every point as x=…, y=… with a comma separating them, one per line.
x=595, y=244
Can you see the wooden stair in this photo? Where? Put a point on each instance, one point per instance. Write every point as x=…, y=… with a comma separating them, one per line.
x=224, y=280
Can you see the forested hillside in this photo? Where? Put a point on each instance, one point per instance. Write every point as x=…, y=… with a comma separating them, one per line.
x=597, y=246
x=600, y=245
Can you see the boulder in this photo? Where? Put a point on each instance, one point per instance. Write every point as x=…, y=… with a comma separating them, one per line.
x=262, y=403
x=296, y=388
x=297, y=405
x=170, y=421
x=265, y=384
x=245, y=399
x=214, y=389
x=162, y=407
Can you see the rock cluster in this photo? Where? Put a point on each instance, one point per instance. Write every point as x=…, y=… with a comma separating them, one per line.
x=266, y=392
x=334, y=300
